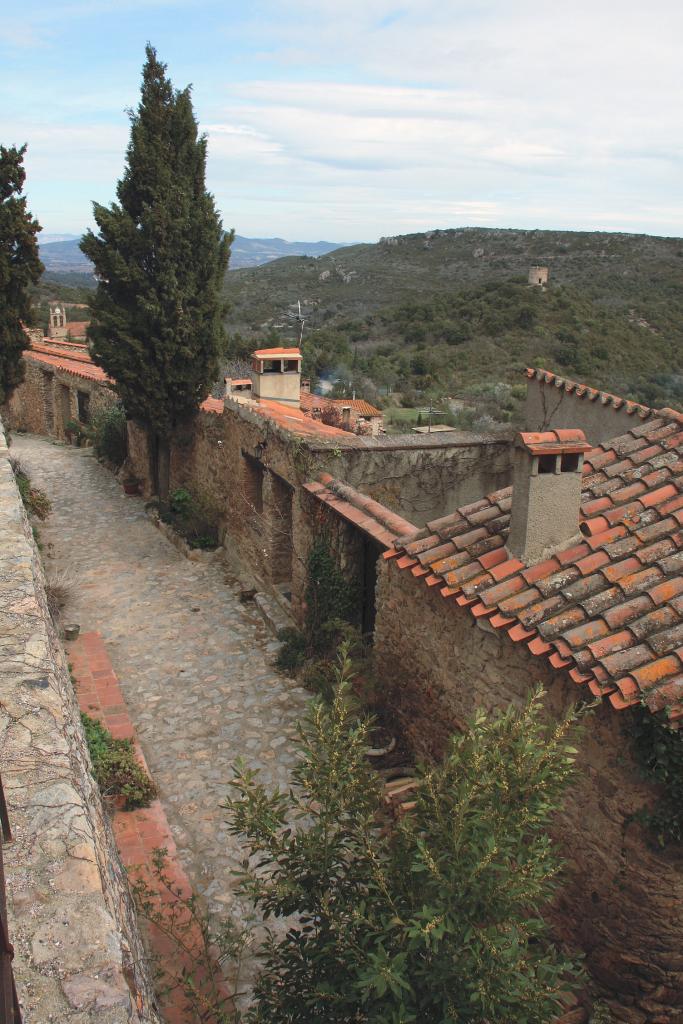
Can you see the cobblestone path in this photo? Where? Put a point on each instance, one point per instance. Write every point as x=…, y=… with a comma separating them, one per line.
x=194, y=662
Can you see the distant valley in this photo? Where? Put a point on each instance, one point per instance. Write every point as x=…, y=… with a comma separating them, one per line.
x=63, y=256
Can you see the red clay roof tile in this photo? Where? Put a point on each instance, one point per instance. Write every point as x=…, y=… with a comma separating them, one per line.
x=613, y=602
x=611, y=643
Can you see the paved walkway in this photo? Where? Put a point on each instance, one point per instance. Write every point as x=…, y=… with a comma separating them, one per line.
x=138, y=834
x=194, y=663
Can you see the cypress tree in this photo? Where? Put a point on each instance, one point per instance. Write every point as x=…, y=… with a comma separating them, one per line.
x=20, y=267
x=160, y=255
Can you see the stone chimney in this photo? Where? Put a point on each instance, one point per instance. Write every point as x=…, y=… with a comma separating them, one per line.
x=276, y=375
x=546, y=493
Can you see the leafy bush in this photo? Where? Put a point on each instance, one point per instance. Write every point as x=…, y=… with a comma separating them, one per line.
x=115, y=766
x=329, y=607
x=193, y=518
x=433, y=917
x=35, y=501
x=109, y=434
x=328, y=595
x=292, y=653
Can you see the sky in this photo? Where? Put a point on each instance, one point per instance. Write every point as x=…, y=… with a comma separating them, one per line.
x=353, y=119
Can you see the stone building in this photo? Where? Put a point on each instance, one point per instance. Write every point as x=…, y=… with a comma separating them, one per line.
x=59, y=328
x=571, y=578
x=538, y=276
x=352, y=414
x=62, y=385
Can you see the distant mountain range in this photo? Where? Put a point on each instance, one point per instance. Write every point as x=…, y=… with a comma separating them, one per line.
x=61, y=255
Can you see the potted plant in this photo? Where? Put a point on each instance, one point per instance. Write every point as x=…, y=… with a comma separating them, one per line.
x=131, y=484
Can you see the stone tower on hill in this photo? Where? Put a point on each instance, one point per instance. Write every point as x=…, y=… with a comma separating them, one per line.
x=539, y=276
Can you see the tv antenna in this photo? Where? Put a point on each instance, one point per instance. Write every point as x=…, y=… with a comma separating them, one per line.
x=297, y=318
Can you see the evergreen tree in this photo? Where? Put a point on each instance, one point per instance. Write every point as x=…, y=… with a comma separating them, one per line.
x=160, y=256
x=20, y=267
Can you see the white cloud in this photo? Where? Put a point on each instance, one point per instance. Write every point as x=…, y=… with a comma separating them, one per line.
x=371, y=118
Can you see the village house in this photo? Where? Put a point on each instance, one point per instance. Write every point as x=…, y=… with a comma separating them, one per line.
x=484, y=566
x=351, y=414
x=571, y=578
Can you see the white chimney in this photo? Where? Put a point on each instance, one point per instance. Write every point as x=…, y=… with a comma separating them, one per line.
x=276, y=375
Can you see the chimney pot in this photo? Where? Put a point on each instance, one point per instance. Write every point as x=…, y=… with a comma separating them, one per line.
x=546, y=493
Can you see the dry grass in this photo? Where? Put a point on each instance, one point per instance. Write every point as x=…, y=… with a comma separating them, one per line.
x=58, y=587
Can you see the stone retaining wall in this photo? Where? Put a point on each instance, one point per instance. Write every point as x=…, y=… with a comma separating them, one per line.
x=623, y=902
x=79, y=956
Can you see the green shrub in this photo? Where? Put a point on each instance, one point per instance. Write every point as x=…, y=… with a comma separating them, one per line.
x=194, y=518
x=433, y=916
x=109, y=434
x=115, y=766
x=319, y=677
x=328, y=595
x=292, y=653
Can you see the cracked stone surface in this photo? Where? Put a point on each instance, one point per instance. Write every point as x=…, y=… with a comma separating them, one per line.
x=194, y=663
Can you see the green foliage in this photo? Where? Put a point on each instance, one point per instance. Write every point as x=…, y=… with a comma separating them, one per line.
x=328, y=595
x=659, y=750
x=35, y=501
x=20, y=267
x=601, y=1014
x=194, y=518
x=293, y=652
x=160, y=256
x=612, y=315
x=432, y=918
x=109, y=434
x=329, y=609
x=115, y=766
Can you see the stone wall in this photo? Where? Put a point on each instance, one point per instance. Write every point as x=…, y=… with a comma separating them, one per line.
x=623, y=902
x=48, y=398
x=78, y=953
x=550, y=407
x=240, y=464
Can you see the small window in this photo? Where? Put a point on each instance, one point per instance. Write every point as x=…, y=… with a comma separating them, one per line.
x=570, y=463
x=546, y=463
x=272, y=366
x=291, y=365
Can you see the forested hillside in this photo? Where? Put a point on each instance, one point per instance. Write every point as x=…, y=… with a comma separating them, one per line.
x=450, y=312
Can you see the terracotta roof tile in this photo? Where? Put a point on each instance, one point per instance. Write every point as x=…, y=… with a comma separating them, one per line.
x=659, y=618
x=611, y=643
x=611, y=605
x=367, y=515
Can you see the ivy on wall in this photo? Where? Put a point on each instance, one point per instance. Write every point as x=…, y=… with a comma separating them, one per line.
x=659, y=751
